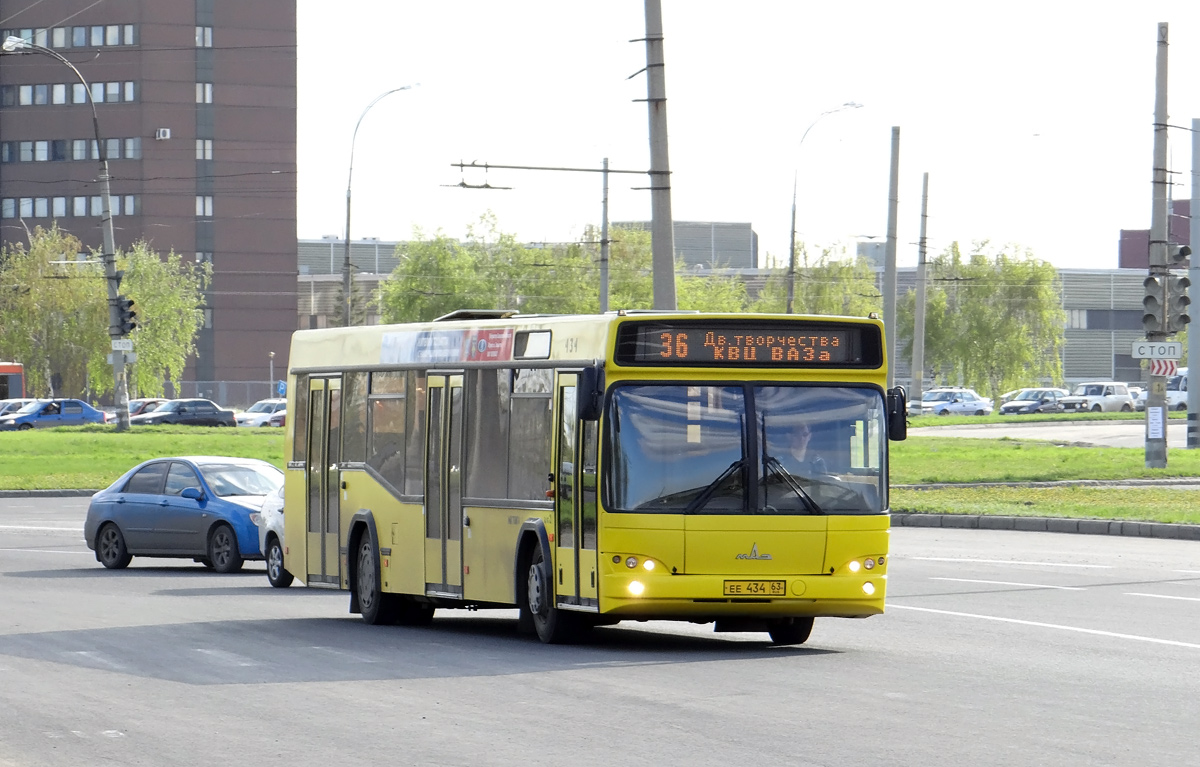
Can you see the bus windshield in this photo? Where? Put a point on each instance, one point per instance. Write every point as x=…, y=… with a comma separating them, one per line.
x=752, y=449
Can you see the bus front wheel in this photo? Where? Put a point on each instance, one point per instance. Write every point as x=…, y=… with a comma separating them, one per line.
x=376, y=607
x=551, y=624
x=790, y=631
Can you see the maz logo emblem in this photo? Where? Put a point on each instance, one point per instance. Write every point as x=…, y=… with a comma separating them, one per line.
x=754, y=554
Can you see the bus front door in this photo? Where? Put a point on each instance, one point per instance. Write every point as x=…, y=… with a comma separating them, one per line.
x=575, y=504
x=323, y=480
x=443, y=486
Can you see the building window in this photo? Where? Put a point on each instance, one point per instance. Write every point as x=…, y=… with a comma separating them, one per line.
x=112, y=92
x=204, y=258
x=130, y=91
x=6, y=151
x=97, y=205
x=8, y=208
x=26, y=151
x=204, y=205
x=208, y=318
x=203, y=37
x=58, y=93
x=204, y=149
x=41, y=151
x=113, y=148
x=112, y=34
x=131, y=205
x=60, y=207
x=58, y=149
x=98, y=93
x=59, y=38
x=41, y=207
x=130, y=36
x=25, y=95
x=79, y=149
x=79, y=37
x=8, y=96
x=203, y=93
x=26, y=207
x=78, y=94
x=133, y=148
x=39, y=37
x=115, y=202
x=97, y=36
x=79, y=206
x=41, y=94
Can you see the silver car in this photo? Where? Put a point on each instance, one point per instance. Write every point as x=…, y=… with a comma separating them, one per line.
x=270, y=539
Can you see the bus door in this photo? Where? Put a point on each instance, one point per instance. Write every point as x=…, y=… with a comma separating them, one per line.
x=575, y=503
x=443, y=486
x=323, y=480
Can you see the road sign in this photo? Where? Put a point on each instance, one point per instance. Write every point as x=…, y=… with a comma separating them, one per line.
x=122, y=345
x=1160, y=350
x=281, y=387
x=1163, y=367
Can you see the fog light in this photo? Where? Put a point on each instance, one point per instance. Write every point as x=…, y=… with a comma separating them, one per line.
x=616, y=559
x=631, y=562
x=648, y=564
x=869, y=563
x=636, y=588
x=853, y=566
x=881, y=561
x=868, y=588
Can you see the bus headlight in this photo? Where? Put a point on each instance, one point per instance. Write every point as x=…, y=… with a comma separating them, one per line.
x=853, y=566
x=869, y=563
x=631, y=562
x=648, y=564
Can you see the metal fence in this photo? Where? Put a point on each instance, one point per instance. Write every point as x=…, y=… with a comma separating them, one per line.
x=237, y=395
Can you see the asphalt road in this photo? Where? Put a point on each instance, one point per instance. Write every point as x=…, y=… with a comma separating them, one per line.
x=1099, y=433
x=997, y=648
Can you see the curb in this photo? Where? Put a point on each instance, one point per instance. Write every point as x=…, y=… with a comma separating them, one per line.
x=1172, y=482
x=47, y=493
x=1048, y=525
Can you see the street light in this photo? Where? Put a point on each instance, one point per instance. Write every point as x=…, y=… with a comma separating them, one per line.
x=271, y=375
x=791, y=283
x=346, y=321
x=19, y=45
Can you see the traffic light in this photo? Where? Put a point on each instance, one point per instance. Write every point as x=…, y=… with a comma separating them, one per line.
x=1177, y=303
x=1177, y=254
x=126, y=316
x=1153, y=304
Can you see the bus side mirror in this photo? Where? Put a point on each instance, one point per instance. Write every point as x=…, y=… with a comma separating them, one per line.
x=897, y=407
x=589, y=397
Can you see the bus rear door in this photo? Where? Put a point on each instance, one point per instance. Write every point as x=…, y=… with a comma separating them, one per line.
x=443, y=487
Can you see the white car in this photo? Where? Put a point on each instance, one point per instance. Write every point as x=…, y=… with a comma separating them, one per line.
x=259, y=414
x=1177, y=393
x=1098, y=397
x=270, y=539
x=954, y=401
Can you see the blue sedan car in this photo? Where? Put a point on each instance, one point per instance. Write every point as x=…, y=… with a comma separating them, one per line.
x=203, y=507
x=44, y=413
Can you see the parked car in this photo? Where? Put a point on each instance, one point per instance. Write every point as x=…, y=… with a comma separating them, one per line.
x=12, y=405
x=192, y=412
x=259, y=414
x=954, y=400
x=278, y=418
x=45, y=413
x=139, y=406
x=204, y=508
x=1098, y=396
x=1034, y=401
x=270, y=539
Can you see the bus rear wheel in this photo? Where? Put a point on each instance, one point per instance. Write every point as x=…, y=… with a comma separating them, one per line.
x=376, y=607
x=790, y=631
x=552, y=625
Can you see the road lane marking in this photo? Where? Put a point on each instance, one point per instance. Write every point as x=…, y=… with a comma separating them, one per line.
x=1003, y=562
x=1037, y=624
x=1187, y=572
x=1162, y=596
x=1010, y=583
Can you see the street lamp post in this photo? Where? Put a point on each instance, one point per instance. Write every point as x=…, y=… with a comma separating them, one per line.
x=271, y=374
x=346, y=321
x=111, y=275
x=791, y=281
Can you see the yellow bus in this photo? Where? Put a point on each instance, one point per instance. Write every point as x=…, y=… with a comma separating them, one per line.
x=727, y=469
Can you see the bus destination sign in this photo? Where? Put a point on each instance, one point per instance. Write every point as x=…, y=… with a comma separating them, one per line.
x=749, y=344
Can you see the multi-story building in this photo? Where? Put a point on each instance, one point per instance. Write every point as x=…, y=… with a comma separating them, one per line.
x=196, y=108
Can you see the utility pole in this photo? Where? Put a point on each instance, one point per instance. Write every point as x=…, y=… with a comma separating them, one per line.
x=1193, y=345
x=1154, y=319
x=604, y=243
x=889, y=268
x=662, y=228
x=918, y=358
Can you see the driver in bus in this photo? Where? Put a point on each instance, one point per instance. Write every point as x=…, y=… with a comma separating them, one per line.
x=796, y=458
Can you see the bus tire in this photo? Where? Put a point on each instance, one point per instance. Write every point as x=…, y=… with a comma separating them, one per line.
x=552, y=625
x=277, y=575
x=110, y=548
x=376, y=608
x=787, y=631
x=223, y=550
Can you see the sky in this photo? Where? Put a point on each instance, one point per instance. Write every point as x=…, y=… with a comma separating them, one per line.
x=1034, y=120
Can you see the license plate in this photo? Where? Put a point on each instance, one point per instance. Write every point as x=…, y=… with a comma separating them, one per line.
x=755, y=588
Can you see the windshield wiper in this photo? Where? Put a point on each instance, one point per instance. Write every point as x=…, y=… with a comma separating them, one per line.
x=772, y=464
x=711, y=488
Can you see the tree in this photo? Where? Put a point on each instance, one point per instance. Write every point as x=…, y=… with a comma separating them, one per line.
x=832, y=283
x=993, y=322
x=433, y=277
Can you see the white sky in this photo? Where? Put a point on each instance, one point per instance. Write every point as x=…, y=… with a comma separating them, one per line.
x=1033, y=119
